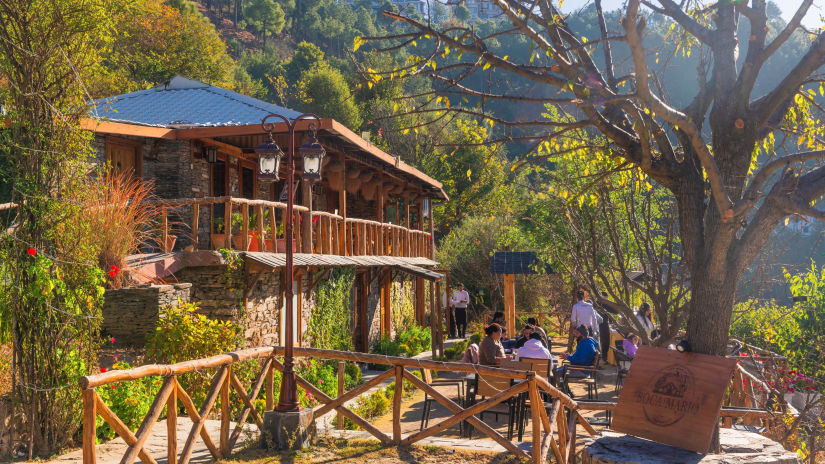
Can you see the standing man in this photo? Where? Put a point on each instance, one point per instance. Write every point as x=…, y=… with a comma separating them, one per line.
x=584, y=315
x=460, y=300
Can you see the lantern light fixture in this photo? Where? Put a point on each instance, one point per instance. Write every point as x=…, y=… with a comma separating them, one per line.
x=269, y=159
x=313, y=154
x=211, y=154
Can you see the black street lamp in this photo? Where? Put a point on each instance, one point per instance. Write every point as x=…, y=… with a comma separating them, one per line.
x=269, y=155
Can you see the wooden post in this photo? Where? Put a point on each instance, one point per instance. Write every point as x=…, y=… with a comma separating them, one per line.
x=342, y=211
x=386, y=289
x=89, y=426
x=331, y=240
x=306, y=218
x=510, y=303
x=431, y=240
x=433, y=320
x=440, y=313
x=227, y=223
x=379, y=211
x=535, y=404
x=259, y=216
x=172, y=427
x=164, y=233
x=297, y=235
x=396, y=404
x=245, y=227
x=273, y=230
x=270, y=388
x=420, y=301
x=342, y=379
x=196, y=211
x=224, y=439
x=571, y=433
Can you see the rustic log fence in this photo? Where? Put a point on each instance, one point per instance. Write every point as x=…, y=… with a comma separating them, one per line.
x=326, y=233
x=554, y=418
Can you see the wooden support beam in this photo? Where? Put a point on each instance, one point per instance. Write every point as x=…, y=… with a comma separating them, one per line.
x=386, y=302
x=89, y=426
x=510, y=304
x=306, y=218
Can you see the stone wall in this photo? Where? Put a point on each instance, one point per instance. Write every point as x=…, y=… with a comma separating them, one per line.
x=130, y=314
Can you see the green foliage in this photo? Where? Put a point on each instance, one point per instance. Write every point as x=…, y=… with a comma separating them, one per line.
x=266, y=16
x=326, y=92
x=182, y=334
x=330, y=325
x=5, y=369
x=130, y=401
x=456, y=352
x=414, y=340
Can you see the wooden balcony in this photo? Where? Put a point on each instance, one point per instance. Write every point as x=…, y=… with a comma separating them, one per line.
x=258, y=225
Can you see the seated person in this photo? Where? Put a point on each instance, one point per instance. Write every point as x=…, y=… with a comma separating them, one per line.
x=526, y=331
x=631, y=344
x=498, y=318
x=506, y=342
x=490, y=352
x=586, y=350
x=537, y=328
x=534, y=348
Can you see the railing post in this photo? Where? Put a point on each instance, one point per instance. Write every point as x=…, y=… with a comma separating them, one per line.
x=342, y=379
x=259, y=215
x=270, y=387
x=330, y=237
x=535, y=413
x=396, y=404
x=225, y=412
x=227, y=222
x=298, y=237
x=245, y=226
x=273, y=230
x=89, y=426
x=196, y=212
x=164, y=233
x=172, y=426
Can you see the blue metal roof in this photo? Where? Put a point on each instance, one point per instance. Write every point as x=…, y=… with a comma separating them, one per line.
x=183, y=102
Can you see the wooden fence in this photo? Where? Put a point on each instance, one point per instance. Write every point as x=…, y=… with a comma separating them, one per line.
x=554, y=422
x=315, y=231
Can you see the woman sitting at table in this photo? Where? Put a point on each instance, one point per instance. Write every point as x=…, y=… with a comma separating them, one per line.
x=534, y=348
x=490, y=352
x=631, y=344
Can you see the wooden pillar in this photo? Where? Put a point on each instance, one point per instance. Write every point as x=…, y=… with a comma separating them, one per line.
x=433, y=319
x=440, y=318
x=379, y=200
x=510, y=304
x=420, y=302
x=419, y=203
x=432, y=232
x=406, y=213
x=361, y=301
x=89, y=426
x=306, y=218
x=343, y=238
x=386, y=302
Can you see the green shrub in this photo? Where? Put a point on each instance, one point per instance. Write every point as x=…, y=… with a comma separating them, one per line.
x=182, y=334
x=476, y=337
x=353, y=374
x=416, y=339
x=129, y=400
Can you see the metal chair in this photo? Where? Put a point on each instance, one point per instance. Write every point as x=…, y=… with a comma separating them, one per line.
x=623, y=361
x=427, y=376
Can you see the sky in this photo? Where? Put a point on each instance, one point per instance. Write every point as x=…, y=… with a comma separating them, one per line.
x=788, y=8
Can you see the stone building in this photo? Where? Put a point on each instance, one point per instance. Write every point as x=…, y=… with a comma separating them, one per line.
x=196, y=144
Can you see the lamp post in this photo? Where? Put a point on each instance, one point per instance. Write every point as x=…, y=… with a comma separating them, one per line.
x=269, y=155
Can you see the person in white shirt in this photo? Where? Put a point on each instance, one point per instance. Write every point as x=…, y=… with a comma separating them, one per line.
x=584, y=314
x=460, y=300
x=645, y=320
x=534, y=348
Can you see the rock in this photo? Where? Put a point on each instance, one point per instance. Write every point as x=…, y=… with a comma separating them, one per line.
x=737, y=447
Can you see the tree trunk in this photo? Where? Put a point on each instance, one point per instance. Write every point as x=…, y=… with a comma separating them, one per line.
x=712, y=298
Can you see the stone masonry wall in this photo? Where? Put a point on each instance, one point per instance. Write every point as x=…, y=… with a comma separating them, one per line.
x=130, y=314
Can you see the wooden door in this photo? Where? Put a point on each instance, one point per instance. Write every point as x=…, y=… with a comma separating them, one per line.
x=124, y=156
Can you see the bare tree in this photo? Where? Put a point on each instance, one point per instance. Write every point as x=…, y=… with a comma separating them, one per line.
x=702, y=153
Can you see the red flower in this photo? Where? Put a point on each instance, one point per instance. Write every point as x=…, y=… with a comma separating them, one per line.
x=113, y=339
x=102, y=369
x=114, y=268
x=743, y=354
x=31, y=251
x=112, y=274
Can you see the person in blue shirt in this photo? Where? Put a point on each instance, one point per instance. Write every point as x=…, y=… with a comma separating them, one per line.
x=586, y=348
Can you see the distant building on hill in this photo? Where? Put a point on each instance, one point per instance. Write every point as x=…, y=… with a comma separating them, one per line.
x=482, y=9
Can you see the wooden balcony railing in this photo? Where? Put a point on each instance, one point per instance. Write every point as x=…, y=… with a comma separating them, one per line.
x=258, y=225
x=554, y=420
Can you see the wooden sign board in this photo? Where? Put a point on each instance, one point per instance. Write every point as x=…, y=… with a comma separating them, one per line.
x=673, y=398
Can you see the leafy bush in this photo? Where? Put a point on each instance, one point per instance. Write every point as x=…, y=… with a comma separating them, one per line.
x=330, y=325
x=416, y=339
x=182, y=334
x=130, y=401
x=476, y=338
x=456, y=352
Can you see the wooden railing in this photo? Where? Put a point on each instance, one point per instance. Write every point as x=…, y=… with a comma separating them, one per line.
x=261, y=229
x=553, y=425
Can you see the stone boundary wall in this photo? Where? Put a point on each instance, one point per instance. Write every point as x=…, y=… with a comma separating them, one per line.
x=130, y=314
